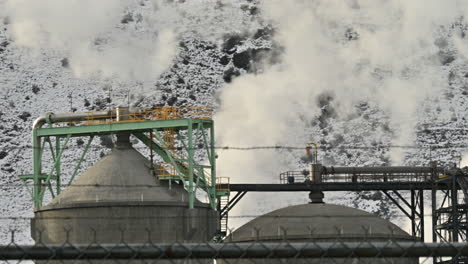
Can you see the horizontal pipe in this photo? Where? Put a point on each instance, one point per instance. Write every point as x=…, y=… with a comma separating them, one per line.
x=375, y=170
x=332, y=186
x=69, y=117
x=246, y=250
x=119, y=113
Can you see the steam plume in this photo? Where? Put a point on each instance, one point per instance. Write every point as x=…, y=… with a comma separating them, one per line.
x=120, y=40
x=358, y=50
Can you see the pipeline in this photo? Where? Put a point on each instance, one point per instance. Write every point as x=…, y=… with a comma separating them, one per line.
x=257, y=250
x=376, y=170
x=119, y=113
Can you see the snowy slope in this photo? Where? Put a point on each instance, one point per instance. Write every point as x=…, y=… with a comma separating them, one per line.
x=36, y=81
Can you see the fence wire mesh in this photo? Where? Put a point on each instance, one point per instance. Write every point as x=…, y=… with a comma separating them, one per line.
x=361, y=247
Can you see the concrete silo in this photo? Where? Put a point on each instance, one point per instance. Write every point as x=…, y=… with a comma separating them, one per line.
x=319, y=222
x=123, y=198
x=119, y=199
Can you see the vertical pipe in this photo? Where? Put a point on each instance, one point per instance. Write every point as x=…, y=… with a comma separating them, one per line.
x=151, y=153
x=36, y=169
x=434, y=216
x=190, y=168
x=454, y=208
x=421, y=213
x=413, y=214
x=213, y=164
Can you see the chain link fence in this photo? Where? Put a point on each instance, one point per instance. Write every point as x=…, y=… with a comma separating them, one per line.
x=340, y=249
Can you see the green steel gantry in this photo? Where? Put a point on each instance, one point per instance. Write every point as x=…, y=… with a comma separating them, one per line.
x=195, y=135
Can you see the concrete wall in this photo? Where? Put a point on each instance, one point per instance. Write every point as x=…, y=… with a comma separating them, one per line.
x=135, y=224
x=166, y=224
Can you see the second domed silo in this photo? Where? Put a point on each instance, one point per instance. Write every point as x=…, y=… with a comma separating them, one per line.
x=319, y=222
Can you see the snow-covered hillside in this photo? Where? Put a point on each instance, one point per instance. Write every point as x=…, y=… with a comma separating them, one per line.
x=218, y=46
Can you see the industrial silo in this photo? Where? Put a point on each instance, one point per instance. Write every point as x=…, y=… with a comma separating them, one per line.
x=319, y=222
x=119, y=199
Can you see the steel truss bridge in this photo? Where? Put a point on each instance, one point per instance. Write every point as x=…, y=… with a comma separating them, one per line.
x=404, y=186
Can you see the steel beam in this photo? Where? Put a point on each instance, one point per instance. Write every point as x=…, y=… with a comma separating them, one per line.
x=414, y=210
x=327, y=187
x=397, y=204
x=376, y=170
x=77, y=167
x=105, y=129
x=224, y=211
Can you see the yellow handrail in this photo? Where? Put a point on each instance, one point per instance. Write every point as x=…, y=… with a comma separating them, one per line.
x=222, y=181
x=156, y=113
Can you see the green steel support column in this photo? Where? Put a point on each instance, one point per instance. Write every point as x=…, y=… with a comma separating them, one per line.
x=191, y=174
x=199, y=132
x=54, y=157
x=207, y=146
x=43, y=146
x=75, y=171
x=37, y=169
x=213, y=166
x=49, y=176
x=51, y=147
x=58, y=165
x=200, y=169
x=191, y=192
x=200, y=181
x=167, y=156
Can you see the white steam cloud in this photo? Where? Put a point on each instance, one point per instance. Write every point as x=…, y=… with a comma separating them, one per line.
x=88, y=32
x=356, y=50
x=100, y=44
x=464, y=161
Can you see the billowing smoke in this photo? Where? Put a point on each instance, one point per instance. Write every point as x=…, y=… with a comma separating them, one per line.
x=464, y=161
x=376, y=51
x=88, y=32
x=119, y=40
x=379, y=51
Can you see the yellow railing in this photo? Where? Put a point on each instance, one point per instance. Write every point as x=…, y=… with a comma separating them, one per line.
x=165, y=169
x=155, y=113
x=169, y=138
x=220, y=181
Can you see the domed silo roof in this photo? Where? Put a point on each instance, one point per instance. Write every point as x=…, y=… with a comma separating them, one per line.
x=118, y=196
x=124, y=175
x=319, y=222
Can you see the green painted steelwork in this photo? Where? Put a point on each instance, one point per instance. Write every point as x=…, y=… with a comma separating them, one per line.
x=106, y=129
x=31, y=177
x=55, y=168
x=58, y=167
x=191, y=133
x=75, y=171
x=189, y=172
x=37, y=161
x=190, y=189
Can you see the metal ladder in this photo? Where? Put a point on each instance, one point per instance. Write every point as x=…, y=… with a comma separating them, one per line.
x=224, y=201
